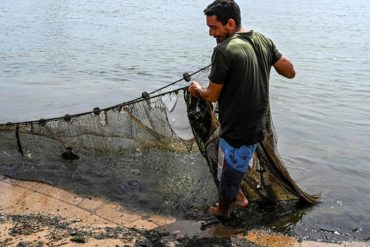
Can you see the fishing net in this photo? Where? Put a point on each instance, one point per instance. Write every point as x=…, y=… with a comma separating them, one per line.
x=140, y=153
x=267, y=179
x=154, y=121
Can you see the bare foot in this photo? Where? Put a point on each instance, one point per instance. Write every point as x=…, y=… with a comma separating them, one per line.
x=217, y=211
x=241, y=200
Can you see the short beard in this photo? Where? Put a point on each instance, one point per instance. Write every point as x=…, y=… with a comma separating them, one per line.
x=227, y=35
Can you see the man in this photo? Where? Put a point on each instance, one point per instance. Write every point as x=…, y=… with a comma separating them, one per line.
x=239, y=81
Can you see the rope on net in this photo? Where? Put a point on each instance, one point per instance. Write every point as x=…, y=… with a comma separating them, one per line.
x=145, y=96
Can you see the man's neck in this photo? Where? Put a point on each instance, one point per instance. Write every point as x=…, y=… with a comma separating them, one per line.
x=241, y=29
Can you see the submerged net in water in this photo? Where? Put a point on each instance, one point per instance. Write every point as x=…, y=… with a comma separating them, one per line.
x=157, y=120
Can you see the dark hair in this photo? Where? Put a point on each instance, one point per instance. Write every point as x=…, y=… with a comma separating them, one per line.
x=224, y=10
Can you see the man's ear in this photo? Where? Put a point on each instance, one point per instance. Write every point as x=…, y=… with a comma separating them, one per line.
x=231, y=25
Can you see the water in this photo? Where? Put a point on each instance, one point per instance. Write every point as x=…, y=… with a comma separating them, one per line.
x=59, y=57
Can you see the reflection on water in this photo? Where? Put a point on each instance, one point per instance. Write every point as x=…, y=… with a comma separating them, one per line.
x=59, y=57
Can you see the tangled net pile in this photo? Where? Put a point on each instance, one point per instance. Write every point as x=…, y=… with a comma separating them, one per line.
x=155, y=120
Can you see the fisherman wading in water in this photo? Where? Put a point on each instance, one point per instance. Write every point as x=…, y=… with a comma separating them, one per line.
x=239, y=81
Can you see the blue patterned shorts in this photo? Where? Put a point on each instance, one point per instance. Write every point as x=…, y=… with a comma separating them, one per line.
x=233, y=163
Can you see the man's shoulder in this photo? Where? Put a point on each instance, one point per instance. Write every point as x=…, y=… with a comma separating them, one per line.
x=229, y=45
x=262, y=37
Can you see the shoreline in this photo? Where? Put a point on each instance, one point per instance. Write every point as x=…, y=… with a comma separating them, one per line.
x=38, y=214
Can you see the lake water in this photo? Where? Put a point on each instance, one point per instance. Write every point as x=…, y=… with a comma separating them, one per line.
x=59, y=57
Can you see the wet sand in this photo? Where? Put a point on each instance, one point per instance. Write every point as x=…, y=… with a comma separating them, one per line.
x=37, y=214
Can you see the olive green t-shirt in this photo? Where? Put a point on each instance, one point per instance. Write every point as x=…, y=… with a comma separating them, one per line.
x=242, y=63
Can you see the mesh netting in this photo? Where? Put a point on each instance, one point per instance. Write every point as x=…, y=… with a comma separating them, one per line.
x=267, y=180
x=157, y=120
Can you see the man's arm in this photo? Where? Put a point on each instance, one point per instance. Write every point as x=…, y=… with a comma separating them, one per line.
x=284, y=67
x=210, y=93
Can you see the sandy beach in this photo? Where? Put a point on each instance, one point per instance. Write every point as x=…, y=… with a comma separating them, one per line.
x=37, y=214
